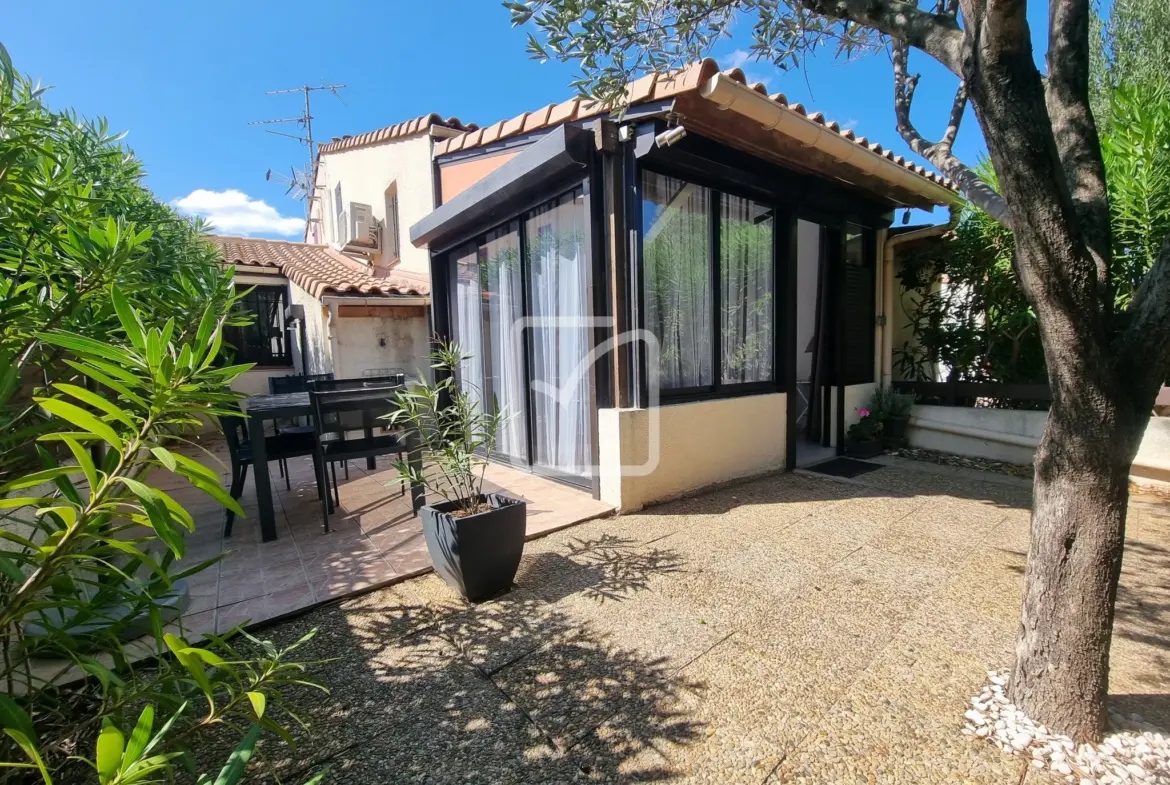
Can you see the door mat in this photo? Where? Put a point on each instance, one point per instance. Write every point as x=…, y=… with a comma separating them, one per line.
x=843, y=467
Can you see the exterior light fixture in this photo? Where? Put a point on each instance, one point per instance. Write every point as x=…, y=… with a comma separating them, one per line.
x=670, y=136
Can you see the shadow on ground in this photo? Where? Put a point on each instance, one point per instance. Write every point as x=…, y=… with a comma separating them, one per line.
x=787, y=629
x=425, y=688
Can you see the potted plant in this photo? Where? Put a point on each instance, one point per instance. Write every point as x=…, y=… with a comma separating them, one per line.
x=475, y=539
x=865, y=436
x=892, y=409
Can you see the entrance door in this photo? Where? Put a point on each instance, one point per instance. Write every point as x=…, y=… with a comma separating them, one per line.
x=814, y=340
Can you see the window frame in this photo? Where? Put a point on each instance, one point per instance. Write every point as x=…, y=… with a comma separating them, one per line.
x=717, y=191
x=234, y=335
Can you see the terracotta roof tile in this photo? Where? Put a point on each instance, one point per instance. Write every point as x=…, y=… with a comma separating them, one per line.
x=563, y=112
x=318, y=269
x=657, y=87
x=408, y=128
x=537, y=119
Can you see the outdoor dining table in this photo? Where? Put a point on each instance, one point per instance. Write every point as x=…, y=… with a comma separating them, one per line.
x=259, y=409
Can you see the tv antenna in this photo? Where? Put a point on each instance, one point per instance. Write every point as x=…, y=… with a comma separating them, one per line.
x=299, y=182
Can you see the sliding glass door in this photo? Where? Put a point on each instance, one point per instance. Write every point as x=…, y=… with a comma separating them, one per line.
x=521, y=312
x=558, y=273
x=490, y=302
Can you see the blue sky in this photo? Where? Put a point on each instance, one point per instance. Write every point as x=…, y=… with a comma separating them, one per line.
x=184, y=80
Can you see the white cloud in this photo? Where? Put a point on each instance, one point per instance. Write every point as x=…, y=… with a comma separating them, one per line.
x=233, y=212
x=740, y=58
x=734, y=60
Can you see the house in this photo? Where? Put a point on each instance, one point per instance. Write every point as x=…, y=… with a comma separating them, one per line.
x=352, y=298
x=689, y=292
x=319, y=311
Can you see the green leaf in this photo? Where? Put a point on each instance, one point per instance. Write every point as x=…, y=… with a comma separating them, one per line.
x=81, y=455
x=81, y=418
x=38, y=478
x=129, y=319
x=259, y=701
x=158, y=513
x=165, y=457
x=13, y=717
x=233, y=771
x=96, y=401
x=110, y=745
x=192, y=663
x=319, y=777
x=87, y=347
x=139, y=737
x=30, y=749
x=216, y=491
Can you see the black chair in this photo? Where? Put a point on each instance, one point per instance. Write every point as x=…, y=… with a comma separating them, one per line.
x=293, y=383
x=280, y=447
x=352, y=420
x=348, y=405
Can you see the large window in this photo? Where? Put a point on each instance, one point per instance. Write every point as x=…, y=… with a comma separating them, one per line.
x=264, y=341
x=707, y=253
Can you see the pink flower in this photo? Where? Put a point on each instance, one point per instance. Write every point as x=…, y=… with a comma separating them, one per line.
x=863, y=412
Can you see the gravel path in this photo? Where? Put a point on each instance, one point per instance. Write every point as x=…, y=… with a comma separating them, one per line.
x=790, y=629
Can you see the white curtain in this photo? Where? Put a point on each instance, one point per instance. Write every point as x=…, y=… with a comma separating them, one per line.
x=746, y=286
x=500, y=279
x=469, y=330
x=558, y=242
x=677, y=269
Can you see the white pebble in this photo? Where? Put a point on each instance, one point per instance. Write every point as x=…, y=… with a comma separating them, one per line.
x=1133, y=752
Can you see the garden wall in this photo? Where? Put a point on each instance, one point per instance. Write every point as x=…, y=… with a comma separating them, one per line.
x=1011, y=435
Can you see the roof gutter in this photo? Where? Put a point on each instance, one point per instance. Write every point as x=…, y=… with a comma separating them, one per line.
x=389, y=299
x=727, y=93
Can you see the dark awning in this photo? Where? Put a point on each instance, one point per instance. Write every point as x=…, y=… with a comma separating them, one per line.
x=493, y=199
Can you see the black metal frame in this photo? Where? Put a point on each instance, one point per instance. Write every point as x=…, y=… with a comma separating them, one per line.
x=718, y=389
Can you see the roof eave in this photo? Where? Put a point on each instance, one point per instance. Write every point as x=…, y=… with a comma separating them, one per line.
x=728, y=94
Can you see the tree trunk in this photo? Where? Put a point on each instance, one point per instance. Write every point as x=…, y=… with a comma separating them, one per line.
x=1061, y=673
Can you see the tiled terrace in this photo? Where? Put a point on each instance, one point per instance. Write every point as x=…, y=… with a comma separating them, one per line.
x=374, y=539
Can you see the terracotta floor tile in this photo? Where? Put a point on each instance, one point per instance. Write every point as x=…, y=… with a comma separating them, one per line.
x=288, y=577
x=339, y=584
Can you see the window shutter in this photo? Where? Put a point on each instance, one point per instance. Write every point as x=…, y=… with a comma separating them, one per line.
x=858, y=315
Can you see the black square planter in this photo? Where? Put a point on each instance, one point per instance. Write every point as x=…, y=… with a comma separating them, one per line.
x=477, y=555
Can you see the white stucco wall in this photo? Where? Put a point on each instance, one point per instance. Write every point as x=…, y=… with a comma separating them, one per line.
x=365, y=173
x=367, y=343
x=698, y=444
x=320, y=354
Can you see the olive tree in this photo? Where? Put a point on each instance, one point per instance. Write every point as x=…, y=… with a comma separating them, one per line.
x=1105, y=363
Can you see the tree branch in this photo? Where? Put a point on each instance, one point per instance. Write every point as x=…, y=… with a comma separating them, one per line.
x=939, y=153
x=1144, y=346
x=938, y=35
x=1075, y=130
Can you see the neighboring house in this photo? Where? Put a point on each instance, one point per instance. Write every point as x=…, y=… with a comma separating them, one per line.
x=745, y=238
x=319, y=311
x=360, y=294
